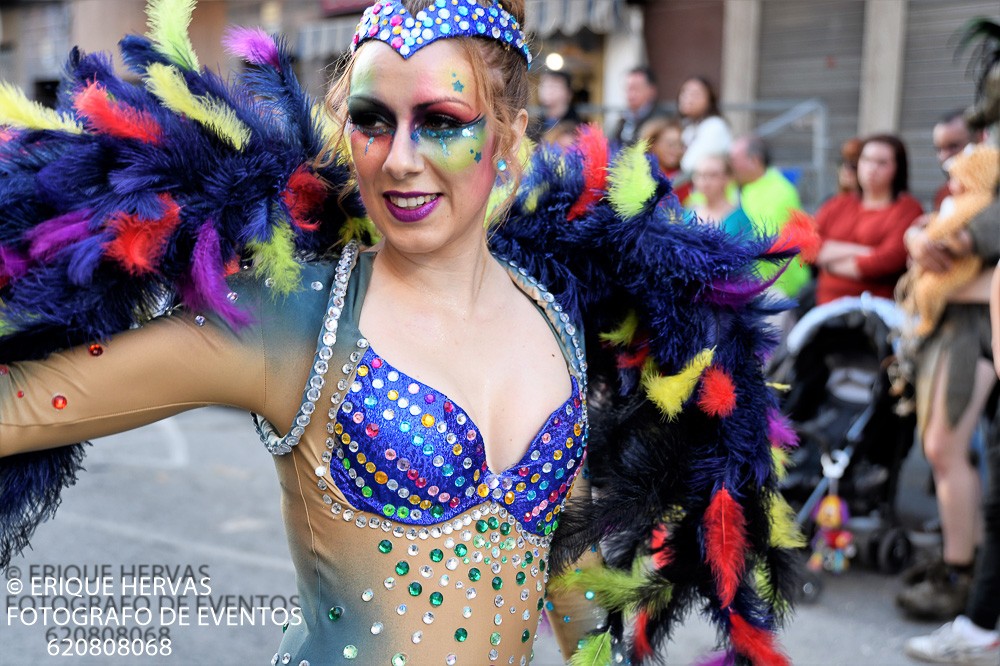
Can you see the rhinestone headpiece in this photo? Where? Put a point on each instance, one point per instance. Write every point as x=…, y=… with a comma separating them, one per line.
x=389, y=22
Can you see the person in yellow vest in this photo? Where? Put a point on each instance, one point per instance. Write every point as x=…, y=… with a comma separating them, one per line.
x=768, y=199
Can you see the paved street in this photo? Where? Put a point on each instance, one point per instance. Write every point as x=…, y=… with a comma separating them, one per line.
x=199, y=490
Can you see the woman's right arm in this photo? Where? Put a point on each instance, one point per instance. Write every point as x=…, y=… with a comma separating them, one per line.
x=172, y=364
x=169, y=365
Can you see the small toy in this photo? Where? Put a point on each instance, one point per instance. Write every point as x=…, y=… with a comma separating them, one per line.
x=833, y=545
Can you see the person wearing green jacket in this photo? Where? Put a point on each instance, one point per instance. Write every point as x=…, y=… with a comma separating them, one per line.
x=768, y=199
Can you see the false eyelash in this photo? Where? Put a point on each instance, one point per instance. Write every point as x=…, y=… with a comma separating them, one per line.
x=373, y=132
x=467, y=130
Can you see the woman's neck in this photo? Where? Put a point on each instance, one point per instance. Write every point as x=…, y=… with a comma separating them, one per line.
x=716, y=209
x=876, y=199
x=717, y=200
x=451, y=278
x=557, y=111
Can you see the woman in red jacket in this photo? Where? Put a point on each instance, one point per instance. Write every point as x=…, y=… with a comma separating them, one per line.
x=862, y=232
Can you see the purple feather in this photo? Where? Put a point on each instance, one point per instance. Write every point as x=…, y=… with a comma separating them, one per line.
x=779, y=431
x=737, y=293
x=52, y=235
x=12, y=263
x=253, y=45
x=716, y=659
x=208, y=288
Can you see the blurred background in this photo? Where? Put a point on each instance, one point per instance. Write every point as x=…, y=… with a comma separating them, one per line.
x=806, y=74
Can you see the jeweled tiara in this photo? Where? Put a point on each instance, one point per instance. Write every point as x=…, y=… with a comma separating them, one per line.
x=390, y=22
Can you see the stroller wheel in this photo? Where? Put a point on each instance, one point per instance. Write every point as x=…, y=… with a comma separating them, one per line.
x=894, y=551
x=810, y=587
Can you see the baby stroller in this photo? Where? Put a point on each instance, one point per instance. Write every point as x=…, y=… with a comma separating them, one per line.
x=851, y=434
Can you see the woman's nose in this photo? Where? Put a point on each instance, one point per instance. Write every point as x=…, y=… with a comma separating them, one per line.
x=404, y=158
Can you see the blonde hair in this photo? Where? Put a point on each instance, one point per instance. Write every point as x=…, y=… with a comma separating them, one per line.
x=502, y=87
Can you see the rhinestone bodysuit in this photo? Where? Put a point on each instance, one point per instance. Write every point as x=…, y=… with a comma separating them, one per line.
x=417, y=552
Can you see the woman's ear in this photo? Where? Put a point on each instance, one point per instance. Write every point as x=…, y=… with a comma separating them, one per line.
x=520, y=126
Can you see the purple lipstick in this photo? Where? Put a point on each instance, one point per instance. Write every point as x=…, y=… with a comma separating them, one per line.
x=410, y=206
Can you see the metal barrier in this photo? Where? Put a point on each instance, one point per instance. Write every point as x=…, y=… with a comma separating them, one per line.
x=811, y=175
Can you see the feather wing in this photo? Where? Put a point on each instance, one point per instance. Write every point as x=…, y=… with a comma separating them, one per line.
x=132, y=194
x=680, y=449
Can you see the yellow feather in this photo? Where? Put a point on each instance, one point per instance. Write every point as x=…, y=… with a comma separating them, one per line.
x=357, y=227
x=780, y=461
x=531, y=200
x=625, y=333
x=497, y=197
x=168, y=84
x=780, y=387
x=276, y=259
x=16, y=110
x=630, y=181
x=168, y=22
x=671, y=392
x=327, y=128
x=766, y=589
x=784, y=532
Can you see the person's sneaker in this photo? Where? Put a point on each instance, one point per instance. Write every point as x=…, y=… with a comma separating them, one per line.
x=958, y=642
x=941, y=595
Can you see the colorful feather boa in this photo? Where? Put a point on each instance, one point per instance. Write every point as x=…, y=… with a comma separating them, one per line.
x=130, y=192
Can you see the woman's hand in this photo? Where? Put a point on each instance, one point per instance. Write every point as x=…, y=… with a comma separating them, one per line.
x=834, y=252
x=846, y=267
x=929, y=255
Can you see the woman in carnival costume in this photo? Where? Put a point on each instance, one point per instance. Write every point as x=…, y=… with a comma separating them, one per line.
x=402, y=294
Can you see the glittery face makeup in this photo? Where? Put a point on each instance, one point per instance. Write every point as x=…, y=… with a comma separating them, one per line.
x=420, y=141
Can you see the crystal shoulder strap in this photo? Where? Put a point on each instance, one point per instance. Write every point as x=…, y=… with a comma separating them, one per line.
x=269, y=436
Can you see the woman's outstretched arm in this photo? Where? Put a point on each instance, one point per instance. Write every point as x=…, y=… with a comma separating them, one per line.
x=172, y=364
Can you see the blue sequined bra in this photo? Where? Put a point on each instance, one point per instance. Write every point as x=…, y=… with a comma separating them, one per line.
x=408, y=452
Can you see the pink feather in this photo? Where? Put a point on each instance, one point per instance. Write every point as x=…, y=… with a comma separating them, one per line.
x=717, y=659
x=253, y=45
x=53, y=235
x=779, y=431
x=725, y=543
x=208, y=288
x=12, y=263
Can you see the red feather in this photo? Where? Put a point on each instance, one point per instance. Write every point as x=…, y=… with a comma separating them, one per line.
x=725, y=543
x=641, y=641
x=594, y=148
x=108, y=117
x=799, y=232
x=139, y=243
x=718, y=393
x=636, y=354
x=634, y=359
x=303, y=196
x=757, y=644
x=662, y=555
